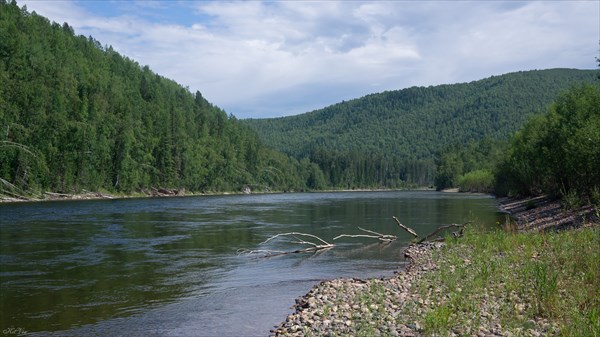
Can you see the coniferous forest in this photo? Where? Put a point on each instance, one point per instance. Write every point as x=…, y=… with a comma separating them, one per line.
x=419, y=135
x=76, y=115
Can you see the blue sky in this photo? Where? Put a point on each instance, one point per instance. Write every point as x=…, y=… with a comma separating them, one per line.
x=274, y=58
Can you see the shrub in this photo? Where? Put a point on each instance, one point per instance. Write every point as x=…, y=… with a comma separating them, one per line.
x=477, y=181
x=556, y=153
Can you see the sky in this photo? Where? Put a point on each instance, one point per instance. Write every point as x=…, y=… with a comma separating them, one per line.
x=257, y=59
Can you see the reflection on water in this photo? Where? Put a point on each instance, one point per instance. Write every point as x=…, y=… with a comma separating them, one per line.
x=168, y=266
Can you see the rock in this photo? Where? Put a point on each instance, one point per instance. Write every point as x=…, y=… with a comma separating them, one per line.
x=338, y=307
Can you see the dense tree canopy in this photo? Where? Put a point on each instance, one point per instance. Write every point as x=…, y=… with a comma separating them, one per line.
x=398, y=137
x=76, y=115
x=558, y=152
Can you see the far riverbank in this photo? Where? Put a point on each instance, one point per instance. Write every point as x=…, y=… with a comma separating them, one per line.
x=161, y=192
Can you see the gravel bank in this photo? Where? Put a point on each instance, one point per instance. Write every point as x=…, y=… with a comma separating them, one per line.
x=510, y=287
x=353, y=307
x=403, y=304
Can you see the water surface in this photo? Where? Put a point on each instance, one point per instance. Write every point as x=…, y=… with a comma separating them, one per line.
x=168, y=266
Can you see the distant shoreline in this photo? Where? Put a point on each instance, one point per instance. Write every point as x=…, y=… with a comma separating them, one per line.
x=167, y=193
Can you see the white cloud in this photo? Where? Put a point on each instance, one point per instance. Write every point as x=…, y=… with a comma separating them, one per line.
x=272, y=58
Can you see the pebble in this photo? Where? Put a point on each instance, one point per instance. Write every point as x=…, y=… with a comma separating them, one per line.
x=339, y=307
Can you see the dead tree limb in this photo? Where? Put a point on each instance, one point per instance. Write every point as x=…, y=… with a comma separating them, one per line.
x=375, y=235
x=294, y=234
x=320, y=245
x=244, y=251
x=408, y=229
x=441, y=228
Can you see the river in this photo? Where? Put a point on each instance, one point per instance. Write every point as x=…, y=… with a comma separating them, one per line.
x=169, y=266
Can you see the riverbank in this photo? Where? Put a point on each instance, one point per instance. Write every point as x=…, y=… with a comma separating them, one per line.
x=497, y=283
x=154, y=193
x=545, y=212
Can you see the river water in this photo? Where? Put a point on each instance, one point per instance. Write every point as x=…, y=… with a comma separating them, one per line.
x=169, y=267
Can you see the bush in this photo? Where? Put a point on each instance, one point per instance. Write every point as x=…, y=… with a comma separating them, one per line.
x=557, y=153
x=477, y=181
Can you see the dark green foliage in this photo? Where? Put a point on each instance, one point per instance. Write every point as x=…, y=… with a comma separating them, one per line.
x=559, y=152
x=75, y=115
x=477, y=181
x=367, y=170
x=464, y=166
x=393, y=137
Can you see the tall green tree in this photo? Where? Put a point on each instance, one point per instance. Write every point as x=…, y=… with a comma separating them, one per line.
x=557, y=153
x=76, y=115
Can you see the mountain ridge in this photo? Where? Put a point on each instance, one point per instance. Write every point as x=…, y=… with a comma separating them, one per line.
x=417, y=122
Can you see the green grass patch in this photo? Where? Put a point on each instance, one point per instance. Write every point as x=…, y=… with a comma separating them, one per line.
x=521, y=281
x=504, y=282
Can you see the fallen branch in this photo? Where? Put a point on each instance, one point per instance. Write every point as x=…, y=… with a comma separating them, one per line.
x=55, y=195
x=243, y=251
x=324, y=245
x=11, y=190
x=382, y=237
x=314, y=247
x=408, y=229
x=441, y=228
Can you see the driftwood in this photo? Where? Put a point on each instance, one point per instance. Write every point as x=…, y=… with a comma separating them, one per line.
x=324, y=244
x=444, y=227
x=419, y=240
x=267, y=253
x=318, y=244
x=314, y=247
x=84, y=195
x=408, y=229
x=58, y=195
x=164, y=192
x=381, y=237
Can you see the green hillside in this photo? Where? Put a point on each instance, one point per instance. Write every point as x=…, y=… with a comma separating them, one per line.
x=75, y=115
x=419, y=121
x=393, y=138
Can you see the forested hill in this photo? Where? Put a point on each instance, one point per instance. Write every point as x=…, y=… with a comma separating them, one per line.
x=417, y=122
x=76, y=115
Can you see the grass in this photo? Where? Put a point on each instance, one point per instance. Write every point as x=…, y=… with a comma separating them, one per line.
x=489, y=282
x=502, y=281
x=518, y=281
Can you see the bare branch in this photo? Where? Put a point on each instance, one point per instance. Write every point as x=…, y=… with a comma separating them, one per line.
x=315, y=247
x=356, y=236
x=370, y=231
x=381, y=237
x=302, y=242
x=243, y=251
x=408, y=229
x=297, y=233
x=441, y=228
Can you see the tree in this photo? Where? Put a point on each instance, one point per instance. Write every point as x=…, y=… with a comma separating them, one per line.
x=557, y=153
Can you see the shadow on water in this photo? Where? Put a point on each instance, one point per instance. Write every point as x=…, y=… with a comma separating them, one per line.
x=144, y=267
